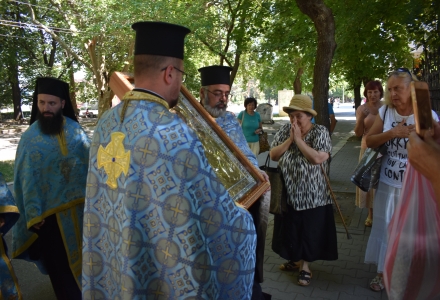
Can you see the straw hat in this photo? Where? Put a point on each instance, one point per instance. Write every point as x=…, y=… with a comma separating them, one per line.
x=300, y=102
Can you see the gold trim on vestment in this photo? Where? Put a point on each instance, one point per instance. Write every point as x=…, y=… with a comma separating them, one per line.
x=38, y=219
x=26, y=245
x=62, y=140
x=52, y=211
x=137, y=95
x=77, y=225
x=9, y=209
x=76, y=266
x=11, y=270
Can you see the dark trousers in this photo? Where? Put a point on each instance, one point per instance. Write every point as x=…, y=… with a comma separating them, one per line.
x=49, y=249
x=260, y=223
x=258, y=294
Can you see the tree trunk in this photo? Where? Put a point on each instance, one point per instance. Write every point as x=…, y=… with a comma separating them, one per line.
x=16, y=93
x=324, y=22
x=72, y=91
x=101, y=76
x=235, y=67
x=105, y=101
x=109, y=98
x=357, y=95
x=297, y=87
x=366, y=80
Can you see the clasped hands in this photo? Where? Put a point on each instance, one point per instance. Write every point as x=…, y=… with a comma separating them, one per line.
x=402, y=131
x=295, y=132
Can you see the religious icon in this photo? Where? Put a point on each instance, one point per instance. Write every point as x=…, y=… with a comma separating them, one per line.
x=243, y=181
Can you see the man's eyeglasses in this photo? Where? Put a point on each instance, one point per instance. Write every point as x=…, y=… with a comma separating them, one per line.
x=219, y=94
x=183, y=73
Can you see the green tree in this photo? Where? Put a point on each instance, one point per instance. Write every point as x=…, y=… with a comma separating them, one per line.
x=28, y=51
x=422, y=23
x=15, y=46
x=372, y=40
x=265, y=41
x=95, y=43
x=288, y=44
x=223, y=32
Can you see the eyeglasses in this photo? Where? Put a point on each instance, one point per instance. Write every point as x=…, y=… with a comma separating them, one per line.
x=219, y=94
x=183, y=73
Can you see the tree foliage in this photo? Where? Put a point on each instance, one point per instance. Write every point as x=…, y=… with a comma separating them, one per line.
x=288, y=44
x=371, y=41
x=265, y=42
x=422, y=23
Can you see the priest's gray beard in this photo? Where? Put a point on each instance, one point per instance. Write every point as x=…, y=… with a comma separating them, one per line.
x=215, y=112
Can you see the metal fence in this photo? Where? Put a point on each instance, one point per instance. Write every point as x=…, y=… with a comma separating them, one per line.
x=432, y=77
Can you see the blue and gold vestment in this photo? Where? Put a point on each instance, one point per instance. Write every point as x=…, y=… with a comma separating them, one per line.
x=157, y=221
x=232, y=128
x=9, y=288
x=50, y=179
x=260, y=209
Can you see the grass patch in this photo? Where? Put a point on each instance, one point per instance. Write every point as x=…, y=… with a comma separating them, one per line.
x=7, y=169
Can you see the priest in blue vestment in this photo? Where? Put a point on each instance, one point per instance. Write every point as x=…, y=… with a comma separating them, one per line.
x=49, y=186
x=9, y=214
x=214, y=97
x=157, y=222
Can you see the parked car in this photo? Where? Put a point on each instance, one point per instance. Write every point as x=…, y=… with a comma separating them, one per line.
x=90, y=111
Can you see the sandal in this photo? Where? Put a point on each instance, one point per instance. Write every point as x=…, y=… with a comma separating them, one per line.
x=304, y=276
x=289, y=266
x=368, y=222
x=377, y=284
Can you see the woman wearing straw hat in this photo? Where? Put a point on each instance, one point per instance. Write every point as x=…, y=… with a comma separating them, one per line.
x=306, y=231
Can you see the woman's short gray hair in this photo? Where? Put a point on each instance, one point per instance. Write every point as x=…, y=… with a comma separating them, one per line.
x=407, y=78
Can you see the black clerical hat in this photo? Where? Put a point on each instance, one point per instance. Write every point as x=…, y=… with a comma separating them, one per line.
x=52, y=86
x=55, y=87
x=159, y=38
x=215, y=75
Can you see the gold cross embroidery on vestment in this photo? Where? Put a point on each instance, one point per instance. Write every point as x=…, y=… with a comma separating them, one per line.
x=114, y=159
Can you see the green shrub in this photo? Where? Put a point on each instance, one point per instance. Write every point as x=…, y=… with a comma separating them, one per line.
x=7, y=169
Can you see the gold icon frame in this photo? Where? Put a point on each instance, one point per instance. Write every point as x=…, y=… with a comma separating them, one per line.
x=240, y=177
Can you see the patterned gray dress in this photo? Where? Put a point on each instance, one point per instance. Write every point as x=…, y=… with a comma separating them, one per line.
x=307, y=230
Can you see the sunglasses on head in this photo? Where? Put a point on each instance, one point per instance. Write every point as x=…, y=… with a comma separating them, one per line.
x=404, y=70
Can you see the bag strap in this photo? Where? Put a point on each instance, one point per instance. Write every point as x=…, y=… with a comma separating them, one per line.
x=382, y=149
x=242, y=118
x=267, y=163
x=384, y=115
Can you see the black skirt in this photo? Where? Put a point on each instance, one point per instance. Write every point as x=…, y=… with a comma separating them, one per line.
x=306, y=234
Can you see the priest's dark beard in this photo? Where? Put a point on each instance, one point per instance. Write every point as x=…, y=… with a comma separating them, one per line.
x=51, y=125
